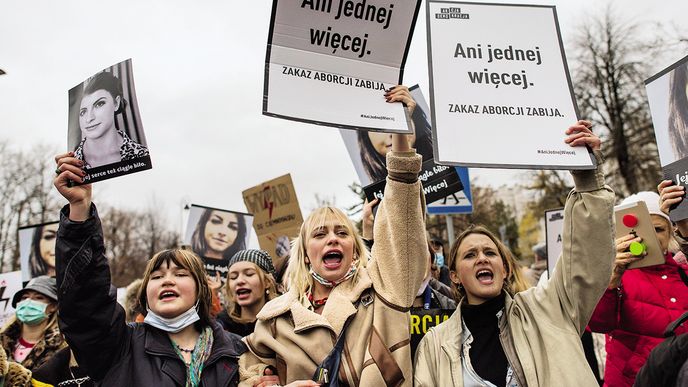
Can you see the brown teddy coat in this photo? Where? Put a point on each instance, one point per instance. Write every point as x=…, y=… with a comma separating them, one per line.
x=295, y=340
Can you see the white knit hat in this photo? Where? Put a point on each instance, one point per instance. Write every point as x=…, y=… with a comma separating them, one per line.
x=651, y=200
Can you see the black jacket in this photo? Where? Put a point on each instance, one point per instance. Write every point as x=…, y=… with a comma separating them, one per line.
x=106, y=348
x=666, y=364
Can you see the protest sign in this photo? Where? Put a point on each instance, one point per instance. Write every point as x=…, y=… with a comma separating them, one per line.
x=500, y=97
x=105, y=129
x=37, y=250
x=330, y=62
x=554, y=227
x=368, y=150
x=439, y=182
x=216, y=235
x=277, y=217
x=10, y=283
x=424, y=319
x=667, y=94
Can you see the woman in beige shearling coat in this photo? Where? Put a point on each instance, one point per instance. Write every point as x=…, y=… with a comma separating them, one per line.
x=537, y=330
x=332, y=279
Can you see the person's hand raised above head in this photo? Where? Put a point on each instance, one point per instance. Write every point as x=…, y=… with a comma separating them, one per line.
x=401, y=94
x=69, y=170
x=580, y=134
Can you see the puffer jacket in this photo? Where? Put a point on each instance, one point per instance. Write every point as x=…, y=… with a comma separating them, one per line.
x=635, y=315
x=51, y=342
x=540, y=328
x=110, y=351
x=295, y=340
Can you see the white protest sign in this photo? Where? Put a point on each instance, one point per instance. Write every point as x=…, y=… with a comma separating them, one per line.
x=554, y=227
x=500, y=97
x=10, y=283
x=330, y=62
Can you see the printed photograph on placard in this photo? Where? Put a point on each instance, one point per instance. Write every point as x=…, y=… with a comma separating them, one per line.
x=216, y=235
x=105, y=129
x=667, y=94
x=37, y=250
x=368, y=151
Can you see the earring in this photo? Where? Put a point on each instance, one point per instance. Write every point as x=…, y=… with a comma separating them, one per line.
x=267, y=292
x=460, y=286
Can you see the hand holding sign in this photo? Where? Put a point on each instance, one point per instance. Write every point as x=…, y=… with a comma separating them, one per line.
x=580, y=134
x=400, y=142
x=69, y=169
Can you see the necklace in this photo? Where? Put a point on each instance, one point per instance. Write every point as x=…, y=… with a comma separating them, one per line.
x=316, y=303
x=184, y=349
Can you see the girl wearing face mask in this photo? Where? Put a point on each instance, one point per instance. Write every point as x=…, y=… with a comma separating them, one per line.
x=178, y=343
x=33, y=337
x=501, y=337
x=345, y=316
x=250, y=284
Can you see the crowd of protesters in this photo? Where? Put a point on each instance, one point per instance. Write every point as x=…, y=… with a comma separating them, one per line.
x=344, y=317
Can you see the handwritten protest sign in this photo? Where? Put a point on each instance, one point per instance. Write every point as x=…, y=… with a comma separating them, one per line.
x=666, y=93
x=105, y=129
x=277, y=217
x=500, y=97
x=330, y=62
x=216, y=235
x=10, y=283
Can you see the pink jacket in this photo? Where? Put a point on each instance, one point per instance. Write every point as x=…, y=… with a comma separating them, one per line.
x=635, y=315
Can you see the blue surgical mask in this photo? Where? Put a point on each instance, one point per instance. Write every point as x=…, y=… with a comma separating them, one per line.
x=439, y=259
x=31, y=312
x=175, y=324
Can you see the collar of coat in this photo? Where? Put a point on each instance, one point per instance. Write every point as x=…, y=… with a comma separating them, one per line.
x=454, y=324
x=341, y=303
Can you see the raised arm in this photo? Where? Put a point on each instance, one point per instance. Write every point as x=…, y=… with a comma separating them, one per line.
x=400, y=250
x=90, y=317
x=582, y=273
x=584, y=268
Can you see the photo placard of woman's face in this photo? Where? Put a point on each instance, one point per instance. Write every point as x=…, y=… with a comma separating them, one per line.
x=216, y=235
x=105, y=129
x=37, y=250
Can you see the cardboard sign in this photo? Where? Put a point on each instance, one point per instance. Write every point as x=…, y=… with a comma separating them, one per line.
x=37, y=250
x=368, y=150
x=634, y=218
x=330, y=62
x=500, y=97
x=105, y=129
x=216, y=235
x=10, y=283
x=277, y=217
x=667, y=95
x=554, y=227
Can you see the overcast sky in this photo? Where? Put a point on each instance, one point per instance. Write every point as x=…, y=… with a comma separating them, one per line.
x=198, y=68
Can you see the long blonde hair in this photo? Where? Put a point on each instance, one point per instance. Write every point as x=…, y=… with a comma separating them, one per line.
x=297, y=272
x=514, y=282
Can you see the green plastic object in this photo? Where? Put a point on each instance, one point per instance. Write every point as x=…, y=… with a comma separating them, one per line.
x=637, y=248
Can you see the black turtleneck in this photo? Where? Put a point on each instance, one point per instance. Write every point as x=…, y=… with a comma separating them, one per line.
x=487, y=355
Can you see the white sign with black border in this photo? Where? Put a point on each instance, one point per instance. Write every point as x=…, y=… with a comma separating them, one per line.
x=500, y=97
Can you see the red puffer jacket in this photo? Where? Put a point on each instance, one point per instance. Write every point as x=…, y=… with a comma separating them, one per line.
x=635, y=316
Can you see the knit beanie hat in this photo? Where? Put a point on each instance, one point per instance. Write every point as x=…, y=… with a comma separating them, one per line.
x=260, y=258
x=651, y=200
